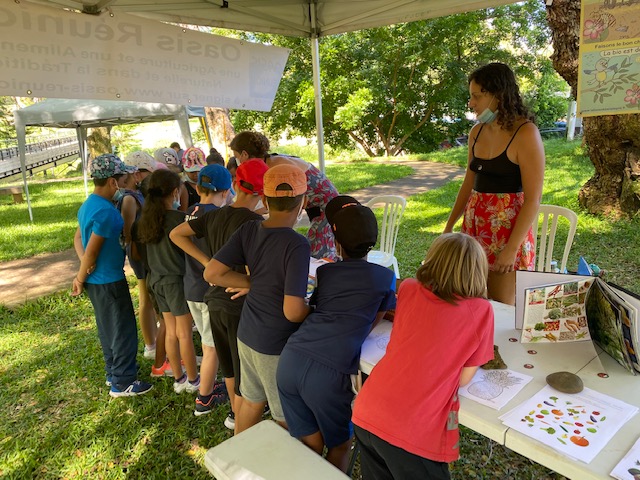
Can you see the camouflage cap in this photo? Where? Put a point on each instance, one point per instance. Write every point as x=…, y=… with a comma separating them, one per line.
x=109, y=165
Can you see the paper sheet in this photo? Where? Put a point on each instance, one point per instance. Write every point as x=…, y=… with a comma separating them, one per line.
x=629, y=467
x=578, y=425
x=375, y=345
x=494, y=388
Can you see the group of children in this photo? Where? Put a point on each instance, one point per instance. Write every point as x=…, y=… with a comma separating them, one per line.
x=243, y=280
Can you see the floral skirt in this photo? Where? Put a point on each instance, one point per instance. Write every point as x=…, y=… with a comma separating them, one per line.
x=489, y=218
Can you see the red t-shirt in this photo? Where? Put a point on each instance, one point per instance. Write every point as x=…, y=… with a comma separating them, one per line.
x=411, y=398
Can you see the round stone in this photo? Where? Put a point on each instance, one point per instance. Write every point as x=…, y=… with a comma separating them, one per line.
x=565, y=382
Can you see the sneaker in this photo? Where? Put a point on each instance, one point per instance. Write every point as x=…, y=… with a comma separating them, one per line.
x=149, y=352
x=267, y=410
x=230, y=421
x=136, y=388
x=220, y=388
x=163, y=371
x=108, y=380
x=184, y=385
x=205, y=404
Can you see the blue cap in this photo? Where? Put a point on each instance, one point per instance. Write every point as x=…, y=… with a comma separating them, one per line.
x=214, y=177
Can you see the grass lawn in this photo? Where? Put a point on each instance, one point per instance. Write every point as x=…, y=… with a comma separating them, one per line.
x=55, y=205
x=59, y=422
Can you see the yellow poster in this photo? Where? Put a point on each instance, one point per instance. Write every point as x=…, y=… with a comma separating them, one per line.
x=609, y=60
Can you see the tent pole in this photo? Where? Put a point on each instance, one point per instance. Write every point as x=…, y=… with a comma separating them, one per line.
x=315, y=61
x=82, y=146
x=206, y=131
x=22, y=147
x=185, y=129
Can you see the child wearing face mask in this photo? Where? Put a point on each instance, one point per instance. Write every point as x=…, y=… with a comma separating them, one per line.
x=97, y=243
x=167, y=269
x=278, y=259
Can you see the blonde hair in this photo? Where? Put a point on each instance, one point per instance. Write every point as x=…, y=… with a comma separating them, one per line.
x=455, y=267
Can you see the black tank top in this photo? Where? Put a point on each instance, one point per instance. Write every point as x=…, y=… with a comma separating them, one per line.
x=498, y=174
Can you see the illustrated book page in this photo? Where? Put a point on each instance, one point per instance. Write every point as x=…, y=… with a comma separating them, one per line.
x=577, y=425
x=629, y=467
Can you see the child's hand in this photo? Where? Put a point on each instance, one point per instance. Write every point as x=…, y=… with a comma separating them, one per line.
x=239, y=292
x=77, y=287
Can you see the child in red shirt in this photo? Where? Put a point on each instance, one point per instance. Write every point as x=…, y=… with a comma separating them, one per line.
x=406, y=416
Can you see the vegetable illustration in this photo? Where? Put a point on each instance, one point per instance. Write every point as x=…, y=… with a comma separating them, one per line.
x=549, y=430
x=579, y=441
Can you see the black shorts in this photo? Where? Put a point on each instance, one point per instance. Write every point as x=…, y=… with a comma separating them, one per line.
x=170, y=298
x=224, y=327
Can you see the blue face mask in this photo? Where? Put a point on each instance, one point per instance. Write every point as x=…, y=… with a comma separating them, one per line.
x=118, y=195
x=176, y=204
x=487, y=116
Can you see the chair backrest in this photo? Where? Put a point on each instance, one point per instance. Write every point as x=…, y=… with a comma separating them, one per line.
x=394, y=206
x=546, y=231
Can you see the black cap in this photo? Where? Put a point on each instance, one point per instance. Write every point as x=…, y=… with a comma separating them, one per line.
x=338, y=203
x=356, y=228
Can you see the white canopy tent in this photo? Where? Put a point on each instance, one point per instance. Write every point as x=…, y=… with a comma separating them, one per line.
x=84, y=114
x=302, y=18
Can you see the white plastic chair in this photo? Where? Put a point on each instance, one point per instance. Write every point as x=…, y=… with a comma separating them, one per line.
x=394, y=206
x=546, y=231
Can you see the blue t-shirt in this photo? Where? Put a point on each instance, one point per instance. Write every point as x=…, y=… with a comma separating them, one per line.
x=278, y=259
x=98, y=215
x=349, y=295
x=194, y=285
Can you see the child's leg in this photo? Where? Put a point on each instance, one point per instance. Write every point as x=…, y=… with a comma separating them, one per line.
x=224, y=328
x=209, y=365
x=254, y=397
x=161, y=351
x=339, y=456
x=147, y=316
x=315, y=442
x=184, y=333
x=171, y=344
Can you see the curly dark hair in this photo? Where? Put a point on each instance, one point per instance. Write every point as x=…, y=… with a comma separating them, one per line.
x=499, y=80
x=162, y=183
x=254, y=143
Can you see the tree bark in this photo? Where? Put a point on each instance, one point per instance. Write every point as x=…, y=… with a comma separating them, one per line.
x=612, y=140
x=222, y=131
x=99, y=141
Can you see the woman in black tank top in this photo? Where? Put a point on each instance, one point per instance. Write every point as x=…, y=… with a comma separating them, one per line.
x=501, y=191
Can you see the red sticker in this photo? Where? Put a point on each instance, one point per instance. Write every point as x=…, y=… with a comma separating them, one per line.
x=603, y=375
x=528, y=365
x=531, y=352
x=513, y=339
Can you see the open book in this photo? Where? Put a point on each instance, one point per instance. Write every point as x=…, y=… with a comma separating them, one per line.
x=556, y=308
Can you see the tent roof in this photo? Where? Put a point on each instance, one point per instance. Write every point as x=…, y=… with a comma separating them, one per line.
x=64, y=113
x=304, y=18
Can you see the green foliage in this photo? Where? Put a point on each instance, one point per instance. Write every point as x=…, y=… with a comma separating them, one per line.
x=403, y=88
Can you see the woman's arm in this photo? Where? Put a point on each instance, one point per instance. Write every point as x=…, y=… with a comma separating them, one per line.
x=465, y=188
x=181, y=236
x=530, y=157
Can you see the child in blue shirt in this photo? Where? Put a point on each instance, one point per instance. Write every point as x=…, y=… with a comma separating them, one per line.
x=98, y=244
x=278, y=259
x=314, y=373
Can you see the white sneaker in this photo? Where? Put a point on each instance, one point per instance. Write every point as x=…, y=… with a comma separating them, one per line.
x=186, y=386
x=149, y=352
x=230, y=421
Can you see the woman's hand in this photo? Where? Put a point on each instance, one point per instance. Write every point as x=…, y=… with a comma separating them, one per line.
x=504, y=262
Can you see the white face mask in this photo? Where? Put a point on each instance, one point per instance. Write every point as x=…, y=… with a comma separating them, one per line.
x=487, y=115
x=300, y=214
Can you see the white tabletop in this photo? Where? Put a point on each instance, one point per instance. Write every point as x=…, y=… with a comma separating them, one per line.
x=266, y=451
x=538, y=360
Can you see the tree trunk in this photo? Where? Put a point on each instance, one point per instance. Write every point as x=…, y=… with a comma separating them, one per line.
x=612, y=140
x=99, y=141
x=222, y=131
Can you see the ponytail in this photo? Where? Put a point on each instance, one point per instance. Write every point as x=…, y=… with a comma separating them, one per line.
x=162, y=183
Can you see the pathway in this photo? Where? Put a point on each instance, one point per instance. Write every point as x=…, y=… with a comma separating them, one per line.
x=30, y=278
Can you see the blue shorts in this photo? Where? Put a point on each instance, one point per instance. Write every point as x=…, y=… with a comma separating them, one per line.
x=314, y=398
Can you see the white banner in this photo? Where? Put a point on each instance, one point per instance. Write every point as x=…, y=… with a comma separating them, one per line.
x=47, y=52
